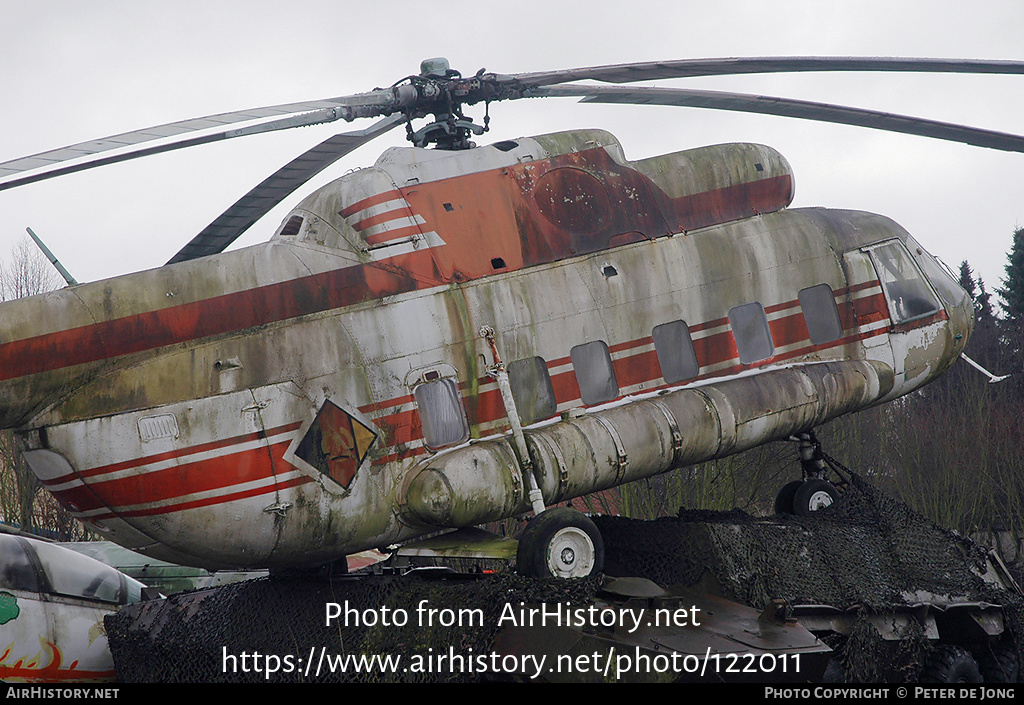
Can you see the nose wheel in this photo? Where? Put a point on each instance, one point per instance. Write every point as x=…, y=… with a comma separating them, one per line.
x=813, y=493
x=561, y=543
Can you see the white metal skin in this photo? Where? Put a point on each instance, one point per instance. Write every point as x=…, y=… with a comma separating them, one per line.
x=196, y=448
x=55, y=640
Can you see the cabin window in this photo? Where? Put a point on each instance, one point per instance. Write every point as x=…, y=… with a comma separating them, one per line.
x=594, y=372
x=750, y=328
x=531, y=389
x=442, y=414
x=906, y=291
x=821, y=314
x=676, y=356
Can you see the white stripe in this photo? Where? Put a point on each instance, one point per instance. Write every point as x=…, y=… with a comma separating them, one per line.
x=864, y=293
x=404, y=221
x=630, y=352
x=708, y=332
x=207, y=494
x=380, y=208
x=405, y=246
x=174, y=462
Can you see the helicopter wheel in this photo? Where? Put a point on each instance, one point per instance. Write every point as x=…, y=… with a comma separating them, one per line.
x=562, y=543
x=784, y=499
x=813, y=495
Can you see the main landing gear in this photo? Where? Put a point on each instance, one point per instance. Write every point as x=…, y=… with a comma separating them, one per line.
x=560, y=542
x=814, y=492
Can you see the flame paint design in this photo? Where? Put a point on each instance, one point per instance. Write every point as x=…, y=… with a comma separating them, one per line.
x=46, y=667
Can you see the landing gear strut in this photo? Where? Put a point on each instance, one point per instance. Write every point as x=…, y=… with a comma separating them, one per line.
x=814, y=492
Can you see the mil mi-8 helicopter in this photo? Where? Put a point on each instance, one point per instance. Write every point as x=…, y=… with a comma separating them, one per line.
x=467, y=333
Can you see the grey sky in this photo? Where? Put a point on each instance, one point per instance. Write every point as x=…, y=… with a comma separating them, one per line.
x=73, y=71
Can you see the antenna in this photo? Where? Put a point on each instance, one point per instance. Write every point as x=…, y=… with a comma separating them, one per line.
x=53, y=260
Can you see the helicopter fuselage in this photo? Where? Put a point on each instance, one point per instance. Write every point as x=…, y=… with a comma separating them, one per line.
x=329, y=391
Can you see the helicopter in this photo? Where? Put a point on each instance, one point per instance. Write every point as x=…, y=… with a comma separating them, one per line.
x=461, y=334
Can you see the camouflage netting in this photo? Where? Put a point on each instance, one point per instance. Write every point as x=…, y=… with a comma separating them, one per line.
x=182, y=639
x=866, y=552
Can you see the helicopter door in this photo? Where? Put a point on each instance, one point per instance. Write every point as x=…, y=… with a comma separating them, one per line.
x=865, y=300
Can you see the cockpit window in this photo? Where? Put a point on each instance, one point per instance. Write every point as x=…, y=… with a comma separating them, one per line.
x=74, y=575
x=906, y=291
x=942, y=279
x=16, y=571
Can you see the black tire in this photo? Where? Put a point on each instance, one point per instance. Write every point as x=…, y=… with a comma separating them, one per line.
x=814, y=495
x=950, y=664
x=784, y=499
x=1001, y=664
x=562, y=543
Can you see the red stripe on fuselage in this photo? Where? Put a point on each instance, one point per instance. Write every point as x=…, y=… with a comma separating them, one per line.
x=644, y=368
x=180, y=452
x=192, y=321
x=207, y=501
x=207, y=475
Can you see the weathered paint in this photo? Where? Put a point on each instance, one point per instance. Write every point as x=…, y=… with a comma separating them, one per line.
x=606, y=448
x=553, y=241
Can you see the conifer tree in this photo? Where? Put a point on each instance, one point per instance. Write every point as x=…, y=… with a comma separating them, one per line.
x=1012, y=295
x=967, y=282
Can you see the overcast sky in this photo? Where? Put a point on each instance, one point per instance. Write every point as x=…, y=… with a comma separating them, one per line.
x=73, y=71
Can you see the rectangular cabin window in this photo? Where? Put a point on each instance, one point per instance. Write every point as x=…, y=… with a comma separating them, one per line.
x=821, y=314
x=292, y=226
x=674, y=347
x=905, y=289
x=750, y=328
x=532, y=390
x=592, y=364
x=442, y=414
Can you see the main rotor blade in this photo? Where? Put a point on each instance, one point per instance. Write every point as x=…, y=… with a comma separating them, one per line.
x=55, y=157
x=219, y=234
x=376, y=103
x=432, y=94
x=686, y=68
x=822, y=112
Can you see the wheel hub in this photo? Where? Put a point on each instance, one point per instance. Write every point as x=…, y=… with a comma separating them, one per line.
x=819, y=500
x=571, y=553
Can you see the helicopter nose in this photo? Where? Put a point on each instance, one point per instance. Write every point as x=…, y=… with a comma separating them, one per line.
x=958, y=303
x=961, y=324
